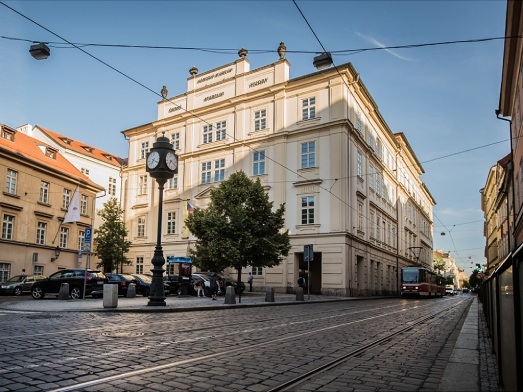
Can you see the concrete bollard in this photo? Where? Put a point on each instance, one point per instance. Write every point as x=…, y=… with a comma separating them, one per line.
x=110, y=295
x=64, y=291
x=230, y=296
x=269, y=294
x=299, y=294
x=131, y=290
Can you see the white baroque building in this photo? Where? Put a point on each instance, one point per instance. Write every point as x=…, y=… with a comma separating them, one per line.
x=318, y=143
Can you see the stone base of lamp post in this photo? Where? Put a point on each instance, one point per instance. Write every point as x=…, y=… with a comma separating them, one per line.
x=157, y=293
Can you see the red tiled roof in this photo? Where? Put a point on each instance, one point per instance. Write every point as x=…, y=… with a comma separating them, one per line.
x=82, y=148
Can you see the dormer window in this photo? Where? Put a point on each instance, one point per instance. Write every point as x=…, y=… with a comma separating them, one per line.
x=88, y=148
x=109, y=157
x=8, y=134
x=50, y=152
x=66, y=140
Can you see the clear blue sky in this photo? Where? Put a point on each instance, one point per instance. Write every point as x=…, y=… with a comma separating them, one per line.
x=442, y=97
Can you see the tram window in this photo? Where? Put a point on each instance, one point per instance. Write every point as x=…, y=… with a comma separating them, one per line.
x=410, y=276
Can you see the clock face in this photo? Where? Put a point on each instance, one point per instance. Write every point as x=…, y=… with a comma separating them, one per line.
x=172, y=160
x=153, y=160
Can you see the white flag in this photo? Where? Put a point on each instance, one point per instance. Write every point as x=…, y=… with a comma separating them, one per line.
x=73, y=212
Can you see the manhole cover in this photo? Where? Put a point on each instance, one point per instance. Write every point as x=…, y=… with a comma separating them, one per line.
x=122, y=334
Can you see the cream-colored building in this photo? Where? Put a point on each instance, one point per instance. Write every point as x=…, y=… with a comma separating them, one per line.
x=318, y=143
x=39, y=184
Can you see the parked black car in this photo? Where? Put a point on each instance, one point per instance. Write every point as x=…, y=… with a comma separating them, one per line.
x=143, y=285
x=19, y=284
x=75, y=277
x=122, y=280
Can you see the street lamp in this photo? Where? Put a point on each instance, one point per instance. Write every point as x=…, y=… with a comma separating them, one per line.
x=57, y=251
x=40, y=51
x=322, y=61
x=161, y=164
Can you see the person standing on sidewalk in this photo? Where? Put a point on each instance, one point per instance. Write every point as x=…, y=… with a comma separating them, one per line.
x=214, y=286
x=250, y=281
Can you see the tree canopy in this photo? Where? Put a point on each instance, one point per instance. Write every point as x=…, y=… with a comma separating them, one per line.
x=110, y=242
x=238, y=228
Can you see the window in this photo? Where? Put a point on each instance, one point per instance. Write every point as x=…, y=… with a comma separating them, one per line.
x=50, y=152
x=371, y=176
x=85, y=171
x=5, y=271
x=207, y=134
x=371, y=222
x=359, y=160
x=10, y=183
x=258, y=163
x=359, y=123
x=112, y=186
x=7, y=227
x=308, y=155
x=139, y=265
x=308, y=108
x=144, y=149
x=64, y=237
x=219, y=170
x=66, y=199
x=41, y=229
x=260, y=120
x=206, y=172
x=141, y=226
x=378, y=183
x=257, y=271
x=378, y=228
x=171, y=222
x=8, y=134
x=83, y=205
x=81, y=239
x=307, y=210
x=44, y=192
x=172, y=183
x=175, y=140
x=142, y=184
x=360, y=216
x=221, y=130
x=38, y=270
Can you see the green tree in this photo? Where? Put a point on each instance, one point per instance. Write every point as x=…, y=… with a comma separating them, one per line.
x=439, y=265
x=239, y=228
x=110, y=243
x=473, y=279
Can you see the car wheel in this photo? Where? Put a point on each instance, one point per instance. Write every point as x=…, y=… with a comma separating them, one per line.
x=37, y=292
x=76, y=293
x=145, y=292
x=17, y=291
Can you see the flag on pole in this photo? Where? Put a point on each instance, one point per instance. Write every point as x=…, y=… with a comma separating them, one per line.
x=73, y=212
x=189, y=207
x=186, y=211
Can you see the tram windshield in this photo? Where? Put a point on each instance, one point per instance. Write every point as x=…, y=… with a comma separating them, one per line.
x=410, y=276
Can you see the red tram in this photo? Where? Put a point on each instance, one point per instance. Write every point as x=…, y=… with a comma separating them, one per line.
x=421, y=282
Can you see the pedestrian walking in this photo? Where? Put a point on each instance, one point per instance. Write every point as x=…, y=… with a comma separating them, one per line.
x=214, y=286
x=250, y=281
x=198, y=287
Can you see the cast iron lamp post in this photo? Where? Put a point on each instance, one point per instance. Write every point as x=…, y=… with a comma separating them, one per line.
x=161, y=164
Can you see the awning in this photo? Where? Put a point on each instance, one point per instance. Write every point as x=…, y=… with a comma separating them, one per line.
x=179, y=259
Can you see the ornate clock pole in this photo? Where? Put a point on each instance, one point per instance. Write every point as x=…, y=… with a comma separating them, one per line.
x=162, y=164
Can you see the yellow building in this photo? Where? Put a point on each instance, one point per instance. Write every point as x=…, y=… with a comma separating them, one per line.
x=39, y=184
x=317, y=143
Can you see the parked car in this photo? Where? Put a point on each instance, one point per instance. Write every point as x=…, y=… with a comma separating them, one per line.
x=226, y=281
x=143, y=285
x=173, y=282
x=75, y=277
x=122, y=280
x=19, y=284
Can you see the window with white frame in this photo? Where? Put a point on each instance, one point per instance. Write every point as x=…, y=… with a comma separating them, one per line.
x=206, y=172
x=8, y=223
x=144, y=149
x=142, y=184
x=172, y=183
x=221, y=130
x=260, y=120
x=307, y=210
x=359, y=123
x=139, y=264
x=378, y=183
x=360, y=215
x=38, y=270
x=171, y=222
x=41, y=229
x=175, y=140
x=10, y=183
x=141, y=226
x=378, y=228
x=85, y=171
x=371, y=222
x=64, y=237
x=66, y=198
x=258, y=271
x=44, y=192
x=5, y=271
x=112, y=186
x=359, y=164
x=258, y=163
x=371, y=177
x=308, y=155
x=83, y=205
x=308, y=108
x=219, y=170
x=207, y=134
x=81, y=239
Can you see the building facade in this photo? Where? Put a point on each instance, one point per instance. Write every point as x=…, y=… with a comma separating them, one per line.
x=318, y=143
x=39, y=184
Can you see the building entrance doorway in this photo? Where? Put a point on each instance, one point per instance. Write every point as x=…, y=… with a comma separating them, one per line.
x=315, y=272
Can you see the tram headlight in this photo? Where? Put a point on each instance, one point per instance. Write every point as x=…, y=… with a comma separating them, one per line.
x=416, y=287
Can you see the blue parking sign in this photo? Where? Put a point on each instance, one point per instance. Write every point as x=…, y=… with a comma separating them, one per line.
x=87, y=235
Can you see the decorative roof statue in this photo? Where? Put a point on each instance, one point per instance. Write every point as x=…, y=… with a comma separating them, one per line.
x=193, y=71
x=164, y=92
x=243, y=53
x=281, y=50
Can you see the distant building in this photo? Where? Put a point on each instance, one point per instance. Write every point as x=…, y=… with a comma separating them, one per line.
x=39, y=184
x=451, y=269
x=319, y=144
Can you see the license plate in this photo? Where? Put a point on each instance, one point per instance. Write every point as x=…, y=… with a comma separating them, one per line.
x=99, y=282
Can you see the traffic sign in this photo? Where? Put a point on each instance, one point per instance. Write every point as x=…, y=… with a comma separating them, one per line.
x=87, y=234
x=308, y=253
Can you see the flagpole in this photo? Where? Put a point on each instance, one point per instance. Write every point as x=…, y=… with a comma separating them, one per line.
x=68, y=212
